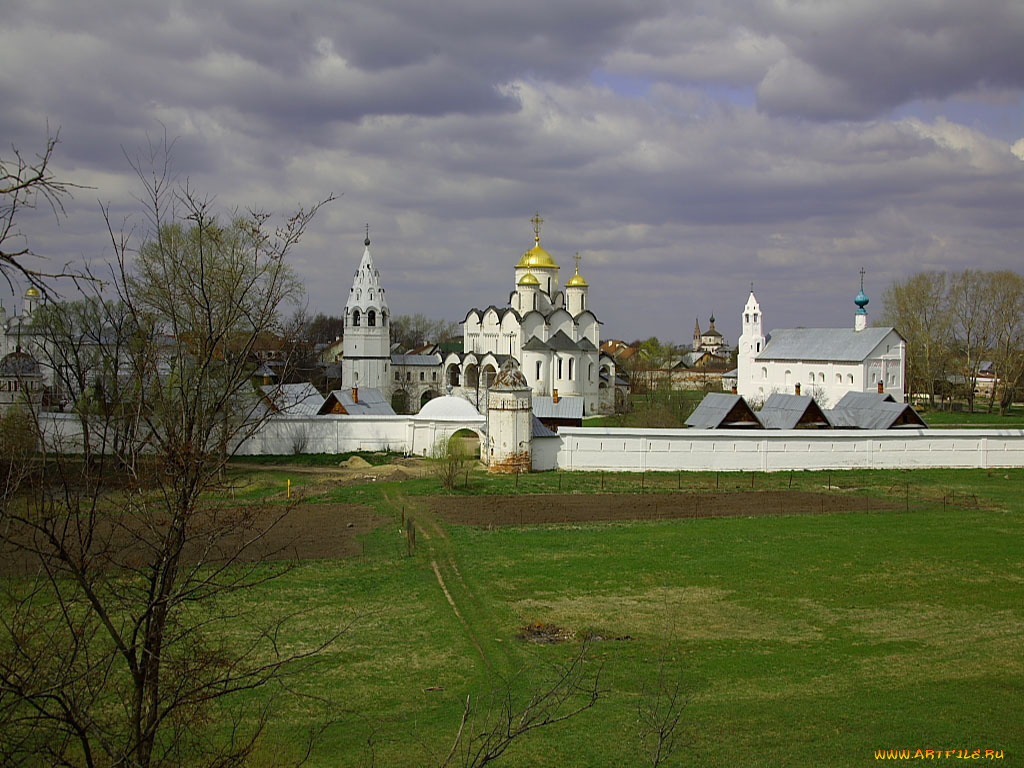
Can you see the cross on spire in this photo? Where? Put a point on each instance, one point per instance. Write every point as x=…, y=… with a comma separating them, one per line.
x=577, y=258
x=367, y=241
x=537, y=221
x=862, y=279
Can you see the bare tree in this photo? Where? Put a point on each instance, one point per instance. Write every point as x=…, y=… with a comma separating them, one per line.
x=918, y=309
x=113, y=648
x=660, y=709
x=485, y=734
x=1008, y=336
x=24, y=183
x=970, y=305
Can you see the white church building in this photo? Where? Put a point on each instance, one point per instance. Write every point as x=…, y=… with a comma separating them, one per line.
x=824, y=363
x=547, y=328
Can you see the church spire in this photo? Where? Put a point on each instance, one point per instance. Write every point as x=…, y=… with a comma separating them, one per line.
x=860, y=320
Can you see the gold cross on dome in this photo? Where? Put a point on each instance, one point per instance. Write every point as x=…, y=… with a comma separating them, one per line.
x=537, y=221
x=577, y=258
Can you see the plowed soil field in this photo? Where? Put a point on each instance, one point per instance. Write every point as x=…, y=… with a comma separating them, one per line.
x=535, y=509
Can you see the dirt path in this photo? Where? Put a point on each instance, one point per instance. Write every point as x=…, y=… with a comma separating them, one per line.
x=442, y=560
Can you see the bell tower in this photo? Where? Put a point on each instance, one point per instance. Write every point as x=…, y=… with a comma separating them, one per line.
x=367, y=343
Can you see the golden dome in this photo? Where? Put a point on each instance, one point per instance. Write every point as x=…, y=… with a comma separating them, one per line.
x=576, y=281
x=529, y=279
x=537, y=257
x=32, y=292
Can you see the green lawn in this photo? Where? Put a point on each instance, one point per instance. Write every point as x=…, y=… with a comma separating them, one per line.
x=1014, y=419
x=802, y=640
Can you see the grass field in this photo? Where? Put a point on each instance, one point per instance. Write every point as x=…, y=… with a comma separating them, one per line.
x=807, y=640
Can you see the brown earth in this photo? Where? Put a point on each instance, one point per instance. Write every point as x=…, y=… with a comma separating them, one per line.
x=534, y=509
x=250, y=534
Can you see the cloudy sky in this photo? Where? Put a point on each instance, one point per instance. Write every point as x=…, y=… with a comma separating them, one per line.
x=685, y=149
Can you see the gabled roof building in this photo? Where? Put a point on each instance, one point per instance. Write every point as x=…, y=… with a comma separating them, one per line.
x=826, y=362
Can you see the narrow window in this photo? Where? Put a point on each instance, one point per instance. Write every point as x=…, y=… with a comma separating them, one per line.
x=398, y=376
x=559, y=367
x=746, y=318
x=355, y=317
x=371, y=318
x=538, y=371
x=421, y=376
x=571, y=361
x=590, y=372
x=849, y=378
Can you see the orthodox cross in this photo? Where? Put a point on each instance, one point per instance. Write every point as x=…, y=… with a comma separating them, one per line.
x=577, y=258
x=537, y=221
x=862, y=279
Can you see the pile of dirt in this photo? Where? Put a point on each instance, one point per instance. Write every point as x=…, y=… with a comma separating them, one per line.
x=355, y=462
x=538, y=632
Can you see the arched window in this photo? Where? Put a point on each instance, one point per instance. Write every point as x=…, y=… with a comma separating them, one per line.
x=746, y=317
x=849, y=378
x=571, y=361
x=371, y=319
x=355, y=317
x=789, y=375
x=383, y=318
x=559, y=367
x=811, y=377
x=839, y=378
x=764, y=373
x=538, y=371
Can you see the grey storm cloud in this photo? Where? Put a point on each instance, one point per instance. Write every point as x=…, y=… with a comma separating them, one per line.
x=685, y=148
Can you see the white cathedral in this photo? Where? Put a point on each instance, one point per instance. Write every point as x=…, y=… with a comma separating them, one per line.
x=548, y=329
x=824, y=363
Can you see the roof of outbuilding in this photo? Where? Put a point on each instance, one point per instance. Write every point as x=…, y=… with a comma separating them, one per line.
x=719, y=410
x=293, y=399
x=841, y=344
x=783, y=411
x=371, y=403
x=537, y=428
x=566, y=408
x=449, y=408
x=428, y=360
x=872, y=410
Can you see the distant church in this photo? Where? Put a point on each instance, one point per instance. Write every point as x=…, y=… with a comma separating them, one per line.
x=825, y=363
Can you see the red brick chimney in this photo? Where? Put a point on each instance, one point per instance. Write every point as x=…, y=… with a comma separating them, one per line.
x=797, y=388
x=880, y=388
x=355, y=394
x=554, y=395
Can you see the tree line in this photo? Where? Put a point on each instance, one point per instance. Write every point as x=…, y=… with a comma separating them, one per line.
x=955, y=325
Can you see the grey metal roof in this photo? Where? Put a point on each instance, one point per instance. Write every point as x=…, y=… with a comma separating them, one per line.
x=536, y=345
x=428, y=360
x=537, y=428
x=782, y=411
x=294, y=399
x=842, y=344
x=566, y=408
x=719, y=409
x=871, y=410
x=371, y=402
x=562, y=343
x=586, y=345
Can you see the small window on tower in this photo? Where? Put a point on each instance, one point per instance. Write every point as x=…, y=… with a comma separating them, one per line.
x=538, y=371
x=746, y=317
x=371, y=318
x=355, y=317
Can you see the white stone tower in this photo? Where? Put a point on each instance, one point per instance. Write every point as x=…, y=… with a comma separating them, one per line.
x=751, y=342
x=367, y=344
x=509, y=419
x=576, y=291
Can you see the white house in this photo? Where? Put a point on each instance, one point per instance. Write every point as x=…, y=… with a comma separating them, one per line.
x=825, y=363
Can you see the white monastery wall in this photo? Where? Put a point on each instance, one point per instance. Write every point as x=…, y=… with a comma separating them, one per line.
x=637, y=450
x=590, y=448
